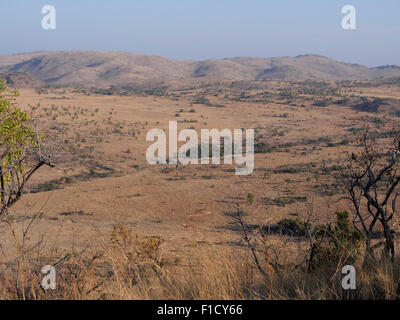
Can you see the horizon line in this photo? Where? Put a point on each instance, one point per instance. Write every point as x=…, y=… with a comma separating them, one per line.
x=200, y=60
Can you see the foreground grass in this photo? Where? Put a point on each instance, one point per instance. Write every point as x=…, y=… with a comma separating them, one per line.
x=127, y=267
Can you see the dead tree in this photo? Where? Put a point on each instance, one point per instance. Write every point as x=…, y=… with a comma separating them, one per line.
x=371, y=180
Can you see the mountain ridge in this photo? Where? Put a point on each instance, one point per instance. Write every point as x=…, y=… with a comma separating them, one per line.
x=117, y=69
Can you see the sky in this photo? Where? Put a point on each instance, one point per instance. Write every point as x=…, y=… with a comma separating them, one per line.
x=207, y=29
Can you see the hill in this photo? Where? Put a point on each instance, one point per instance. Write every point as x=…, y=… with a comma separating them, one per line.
x=21, y=80
x=107, y=69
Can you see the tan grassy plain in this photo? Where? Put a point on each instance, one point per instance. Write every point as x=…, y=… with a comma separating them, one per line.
x=186, y=206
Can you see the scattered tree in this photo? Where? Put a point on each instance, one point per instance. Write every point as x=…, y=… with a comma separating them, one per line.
x=22, y=152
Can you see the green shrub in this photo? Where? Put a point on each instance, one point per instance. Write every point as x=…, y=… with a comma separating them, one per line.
x=250, y=198
x=338, y=244
x=263, y=147
x=293, y=227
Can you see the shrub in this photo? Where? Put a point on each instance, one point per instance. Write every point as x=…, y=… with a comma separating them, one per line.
x=250, y=198
x=337, y=245
x=292, y=226
x=263, y=147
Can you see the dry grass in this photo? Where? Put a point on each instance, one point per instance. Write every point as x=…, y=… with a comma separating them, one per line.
x=199, y=255
x=130, y=267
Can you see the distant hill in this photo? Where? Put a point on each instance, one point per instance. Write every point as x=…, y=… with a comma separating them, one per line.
x=106, y=69
x=21, y=80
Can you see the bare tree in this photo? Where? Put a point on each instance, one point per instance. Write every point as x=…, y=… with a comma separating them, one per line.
x=371, y=179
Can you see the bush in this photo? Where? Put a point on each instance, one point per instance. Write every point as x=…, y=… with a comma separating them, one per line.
x=293, y=227
x=263, y=147
x=251, y=198
x=337, y=245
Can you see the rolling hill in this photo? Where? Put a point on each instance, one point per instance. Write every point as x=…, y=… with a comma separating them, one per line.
x=106, y=69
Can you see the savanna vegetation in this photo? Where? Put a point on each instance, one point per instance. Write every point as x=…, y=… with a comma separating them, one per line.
x=324, y=195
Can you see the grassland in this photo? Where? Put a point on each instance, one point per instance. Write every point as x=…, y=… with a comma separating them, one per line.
x=120, y=228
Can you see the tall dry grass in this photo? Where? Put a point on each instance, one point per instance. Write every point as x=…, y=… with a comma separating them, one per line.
x=126, y=266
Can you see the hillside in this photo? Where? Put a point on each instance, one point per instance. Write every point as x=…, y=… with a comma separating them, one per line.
x=21, y=80
x=106, y=69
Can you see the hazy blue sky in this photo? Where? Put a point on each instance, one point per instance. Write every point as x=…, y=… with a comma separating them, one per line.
x=206, y=29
